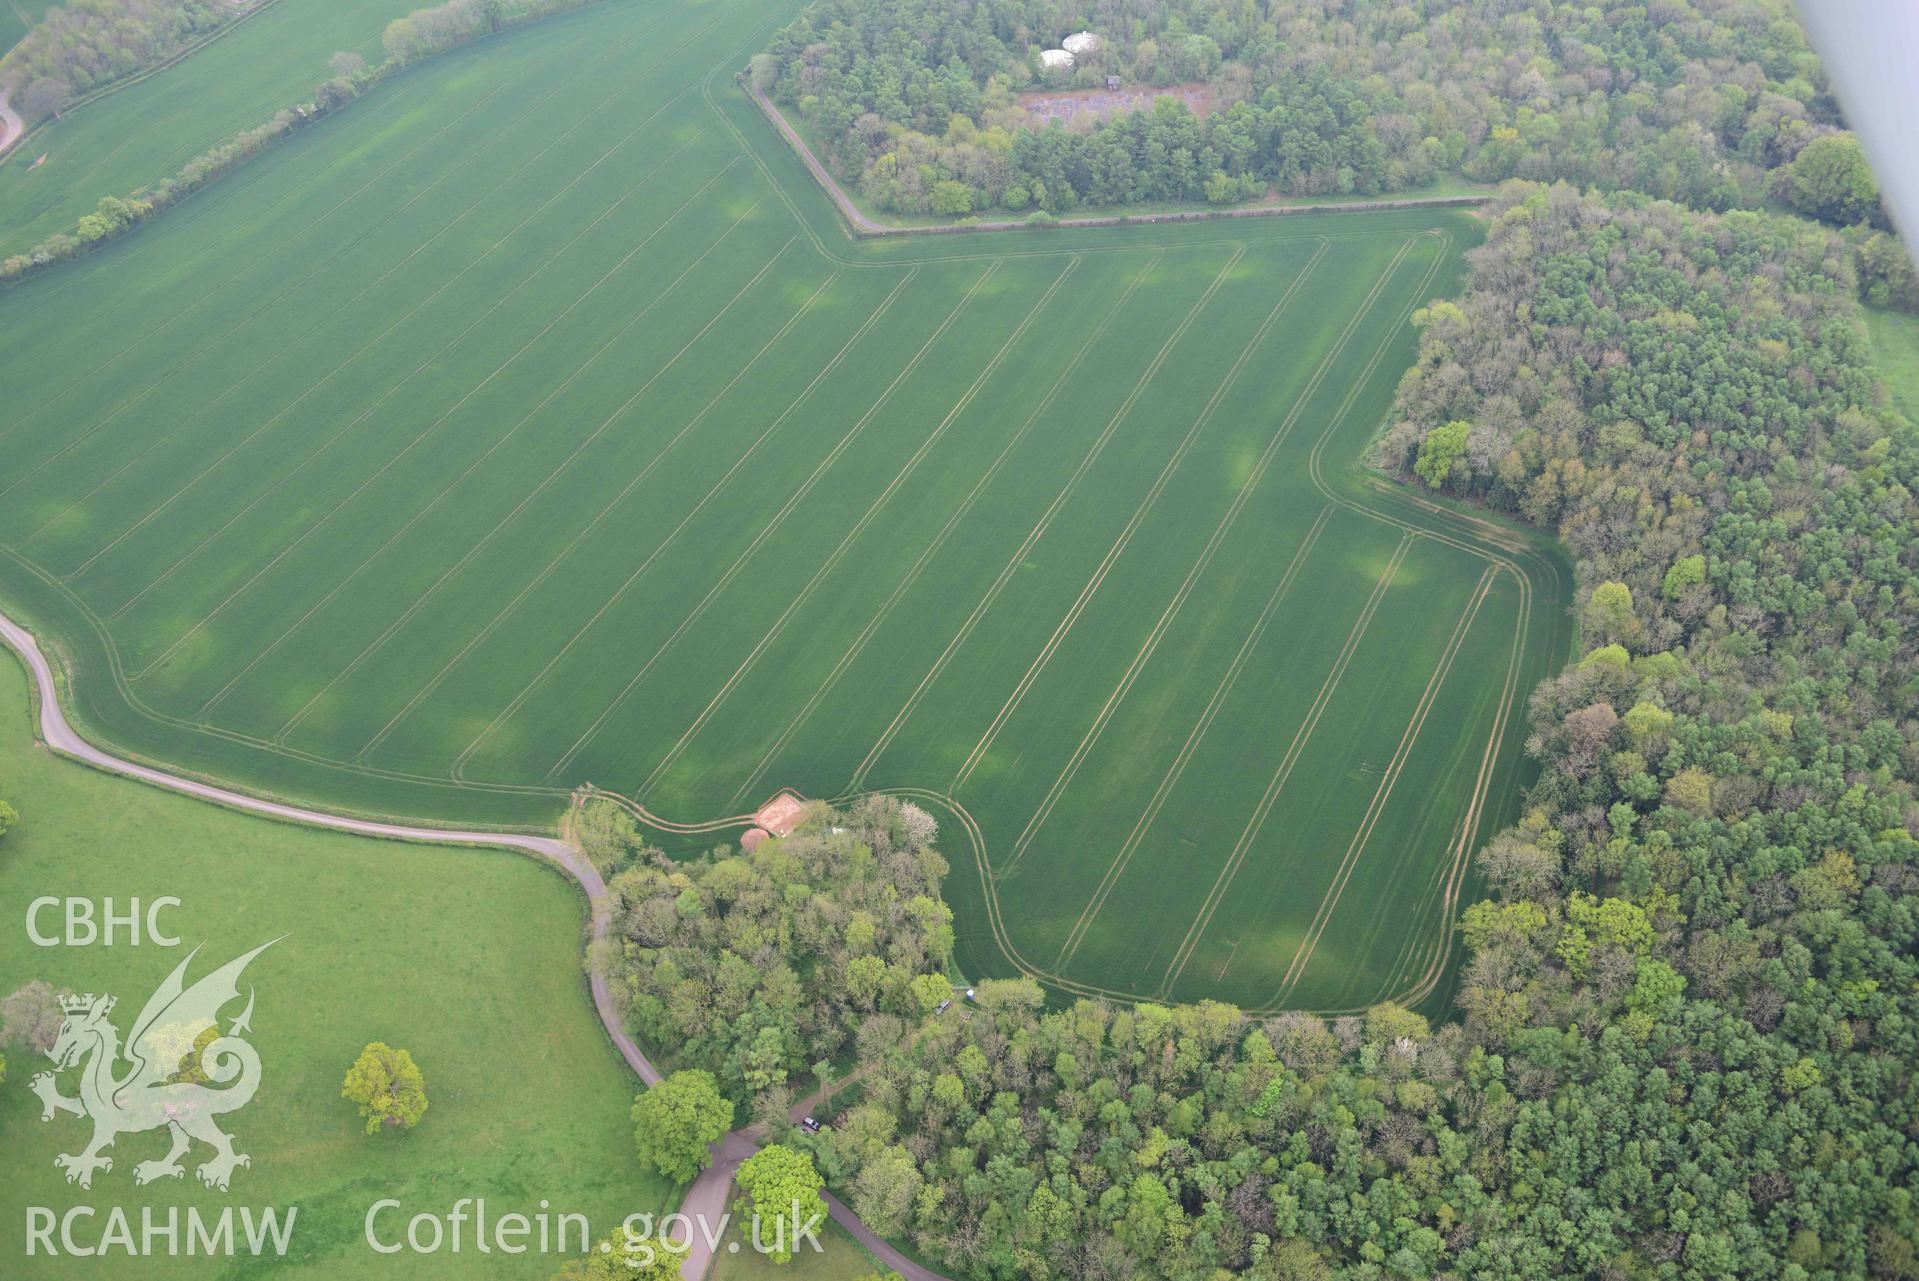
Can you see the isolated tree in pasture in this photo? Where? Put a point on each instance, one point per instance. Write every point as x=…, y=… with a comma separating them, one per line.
x=388, y=1086
x=31, y=1016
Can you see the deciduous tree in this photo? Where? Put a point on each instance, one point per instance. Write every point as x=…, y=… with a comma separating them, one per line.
x=30, y=1017
x=676, y=1121
x=783, y=1192
x=388, y=1086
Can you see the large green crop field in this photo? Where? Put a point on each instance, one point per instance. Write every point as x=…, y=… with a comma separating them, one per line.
x=532, y=423
x=140, y=133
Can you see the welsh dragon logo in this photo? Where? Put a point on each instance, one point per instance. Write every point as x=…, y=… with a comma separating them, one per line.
x=165, y=1075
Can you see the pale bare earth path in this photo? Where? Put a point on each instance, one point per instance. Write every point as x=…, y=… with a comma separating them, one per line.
x=709, y=1193
x=11, y=126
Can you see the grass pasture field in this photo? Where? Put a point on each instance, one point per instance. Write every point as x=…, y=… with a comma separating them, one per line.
x=534, y=423
x=136, y=135
x=469, y=958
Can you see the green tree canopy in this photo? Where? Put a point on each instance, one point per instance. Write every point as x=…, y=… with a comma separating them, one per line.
x=1831, y=180
x=388, y=1086
x=1442, y=449
x=626, y=1257
x=676, y=1121
x=780, y=1183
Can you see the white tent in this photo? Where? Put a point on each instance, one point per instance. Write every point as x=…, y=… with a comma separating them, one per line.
x=1081, y=43
x=1055, y=58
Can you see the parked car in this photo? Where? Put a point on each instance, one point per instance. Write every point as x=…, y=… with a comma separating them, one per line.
x=811, y=1126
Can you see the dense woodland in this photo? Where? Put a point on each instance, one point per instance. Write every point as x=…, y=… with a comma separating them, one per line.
x=756, y=965
x=1707, y=102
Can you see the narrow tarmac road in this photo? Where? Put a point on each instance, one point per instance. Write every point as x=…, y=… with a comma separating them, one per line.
x=708, y=1194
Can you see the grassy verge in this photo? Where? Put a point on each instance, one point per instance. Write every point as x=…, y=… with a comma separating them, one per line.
x=468, y=958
